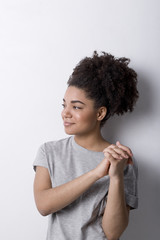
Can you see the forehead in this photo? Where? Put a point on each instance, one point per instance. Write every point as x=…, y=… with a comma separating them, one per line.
x=74, y=93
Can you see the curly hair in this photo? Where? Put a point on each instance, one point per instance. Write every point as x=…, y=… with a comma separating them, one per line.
x=108, y=81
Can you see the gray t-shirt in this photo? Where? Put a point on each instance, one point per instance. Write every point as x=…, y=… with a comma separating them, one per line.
x=82, y=219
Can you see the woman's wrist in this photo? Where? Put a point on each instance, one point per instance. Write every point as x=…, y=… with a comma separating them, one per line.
x=95, y=174
x=117, y=178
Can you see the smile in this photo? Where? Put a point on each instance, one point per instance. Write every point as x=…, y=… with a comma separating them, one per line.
x=66, y=124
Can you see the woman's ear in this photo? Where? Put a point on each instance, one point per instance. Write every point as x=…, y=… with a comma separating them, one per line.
x=102, y=111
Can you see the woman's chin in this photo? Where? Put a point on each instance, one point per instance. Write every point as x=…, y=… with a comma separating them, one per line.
x=69, y=132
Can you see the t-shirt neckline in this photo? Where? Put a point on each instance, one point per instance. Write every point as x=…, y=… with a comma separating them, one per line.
x=82, y=149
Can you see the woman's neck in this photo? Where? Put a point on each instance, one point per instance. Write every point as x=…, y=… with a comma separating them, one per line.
x=93, y=142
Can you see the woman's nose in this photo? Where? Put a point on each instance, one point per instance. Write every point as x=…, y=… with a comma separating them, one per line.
x=66, y=112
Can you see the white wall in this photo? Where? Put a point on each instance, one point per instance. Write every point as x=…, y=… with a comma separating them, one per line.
x=40, y=43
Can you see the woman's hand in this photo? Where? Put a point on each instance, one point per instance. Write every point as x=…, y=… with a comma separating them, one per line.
x=102, y=168
x=117, y=156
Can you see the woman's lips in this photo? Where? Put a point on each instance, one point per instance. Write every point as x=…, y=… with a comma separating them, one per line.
x=67, y=124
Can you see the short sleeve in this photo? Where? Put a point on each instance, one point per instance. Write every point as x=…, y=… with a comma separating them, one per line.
x=131, y=185
x=41, y=158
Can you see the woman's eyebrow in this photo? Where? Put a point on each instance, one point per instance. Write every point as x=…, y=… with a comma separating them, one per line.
x=75, y=101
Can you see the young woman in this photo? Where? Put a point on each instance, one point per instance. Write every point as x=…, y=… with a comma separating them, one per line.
x=85, y=184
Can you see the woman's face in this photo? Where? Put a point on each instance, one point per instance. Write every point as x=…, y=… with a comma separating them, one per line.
x=79, y=115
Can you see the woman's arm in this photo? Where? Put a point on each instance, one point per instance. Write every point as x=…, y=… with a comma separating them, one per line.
x=50, y=200
x=116, y=214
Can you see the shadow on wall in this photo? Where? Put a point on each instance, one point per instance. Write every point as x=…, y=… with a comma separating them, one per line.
x=144, y=222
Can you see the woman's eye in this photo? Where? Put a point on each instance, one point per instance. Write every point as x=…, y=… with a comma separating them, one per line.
x=75, y=107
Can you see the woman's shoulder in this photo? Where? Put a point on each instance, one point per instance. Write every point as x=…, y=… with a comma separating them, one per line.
x=56, y=144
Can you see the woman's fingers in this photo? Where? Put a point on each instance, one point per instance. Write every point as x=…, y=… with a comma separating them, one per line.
x=113, y=153
x=117, y=150
x=127, y=149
